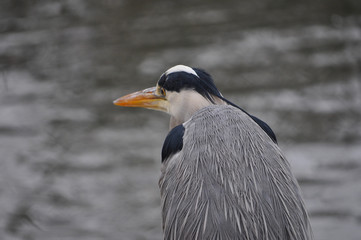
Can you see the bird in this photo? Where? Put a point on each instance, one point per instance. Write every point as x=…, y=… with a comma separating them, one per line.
x=223, y=175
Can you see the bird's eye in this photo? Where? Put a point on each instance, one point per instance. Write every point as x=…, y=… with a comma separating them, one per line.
x=162, y=91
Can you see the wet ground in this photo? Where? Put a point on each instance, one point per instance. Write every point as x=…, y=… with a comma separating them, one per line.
x=73, y=166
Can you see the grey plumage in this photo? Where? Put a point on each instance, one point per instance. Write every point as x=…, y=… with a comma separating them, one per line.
x=242, y=190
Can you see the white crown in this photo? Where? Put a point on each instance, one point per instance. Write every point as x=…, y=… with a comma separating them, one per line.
x=181, y=68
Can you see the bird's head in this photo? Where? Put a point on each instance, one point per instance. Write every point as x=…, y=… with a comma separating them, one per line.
x=180, y=91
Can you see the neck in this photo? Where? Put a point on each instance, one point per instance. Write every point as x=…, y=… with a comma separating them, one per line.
x=192, y=102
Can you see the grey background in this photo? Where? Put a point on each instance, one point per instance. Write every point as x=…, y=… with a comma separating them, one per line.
x=73, y=166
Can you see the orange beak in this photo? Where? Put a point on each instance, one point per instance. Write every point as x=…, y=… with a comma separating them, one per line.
x=146, y=98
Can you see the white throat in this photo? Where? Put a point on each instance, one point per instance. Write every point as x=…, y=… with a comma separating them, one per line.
x=182, y=105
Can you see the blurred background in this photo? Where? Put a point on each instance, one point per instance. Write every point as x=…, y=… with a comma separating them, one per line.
x=73, y=166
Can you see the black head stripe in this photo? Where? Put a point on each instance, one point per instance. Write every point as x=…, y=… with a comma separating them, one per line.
x=162, y=80
x=177, y=81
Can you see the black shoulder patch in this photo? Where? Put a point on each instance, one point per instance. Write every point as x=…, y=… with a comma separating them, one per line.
x=173, y=143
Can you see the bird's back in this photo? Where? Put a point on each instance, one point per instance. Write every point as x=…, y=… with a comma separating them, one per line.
x=230, y=181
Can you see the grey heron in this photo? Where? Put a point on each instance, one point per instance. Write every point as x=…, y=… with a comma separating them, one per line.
x=223, y=175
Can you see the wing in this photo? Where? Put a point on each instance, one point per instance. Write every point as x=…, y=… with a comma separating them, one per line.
x=228, y=181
